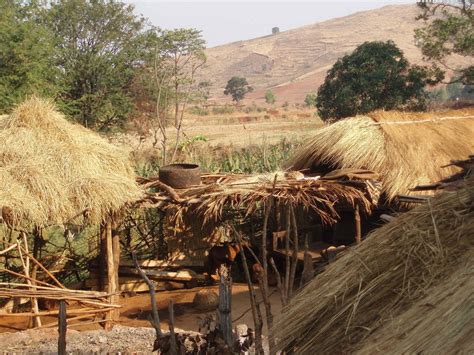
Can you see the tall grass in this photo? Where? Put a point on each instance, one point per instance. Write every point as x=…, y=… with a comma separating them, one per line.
x=257, y=158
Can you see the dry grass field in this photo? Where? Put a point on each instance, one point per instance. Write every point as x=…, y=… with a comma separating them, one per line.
x=243, y=129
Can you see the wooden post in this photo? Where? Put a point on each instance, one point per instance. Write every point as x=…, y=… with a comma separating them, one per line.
x=116, y=259
x=225, y=304
x=62, y=328
x=295, y=253
x=111, y=280
x=26, y=268
x=155, y=317
x=257, y=315
x=358, y=232
x=102, y=256
x=173, y=345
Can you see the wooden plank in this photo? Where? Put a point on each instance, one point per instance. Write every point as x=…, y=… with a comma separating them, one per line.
x=180, y=275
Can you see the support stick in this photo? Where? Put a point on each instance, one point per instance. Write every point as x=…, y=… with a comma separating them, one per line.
x=257, y=315
x=154, y=310
x=225, y=304
x=295, y=253
x=62, y=328
x=173, y=346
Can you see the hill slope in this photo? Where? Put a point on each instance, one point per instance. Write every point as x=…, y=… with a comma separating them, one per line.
x=295, y=62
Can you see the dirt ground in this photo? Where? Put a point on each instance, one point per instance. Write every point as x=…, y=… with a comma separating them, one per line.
x=134, y=332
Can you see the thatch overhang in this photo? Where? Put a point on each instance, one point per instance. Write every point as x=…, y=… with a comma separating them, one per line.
x=406, y=289
x=235, y=192
x=406, y=149
x=53, y=171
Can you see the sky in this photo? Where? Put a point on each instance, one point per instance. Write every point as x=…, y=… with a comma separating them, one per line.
x=226, y=21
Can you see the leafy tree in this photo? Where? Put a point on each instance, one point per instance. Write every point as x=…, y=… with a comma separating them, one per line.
x=310, y=100
x=375, y=76
x=449, y=29
x=180, y=53
x=270, y=97
x=237, y=87
x=25, y=54
x=99, y=46
x=166, y=84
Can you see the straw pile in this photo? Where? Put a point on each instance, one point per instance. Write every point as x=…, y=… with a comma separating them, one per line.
x=248, y=193
x=52, y=170
x=406, y=149
x=406, y=289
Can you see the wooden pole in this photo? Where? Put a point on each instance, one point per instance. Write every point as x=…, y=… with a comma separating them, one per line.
x=225, y=304
x=62, y=328
x=111, y=280
x=26, y=268
x=286, y=283
x=102, y=256
x=358, y=232
x=173, y=345
x=116, y=259
x=257, y=315
x=295, y=253
x=155, y=322
x=264, y=282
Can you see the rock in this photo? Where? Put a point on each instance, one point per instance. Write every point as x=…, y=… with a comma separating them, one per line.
x=206, y=300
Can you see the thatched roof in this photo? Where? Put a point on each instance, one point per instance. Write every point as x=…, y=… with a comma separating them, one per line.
x=235, y=192
x=406, y=149
x=406, y=289
x=52, y=170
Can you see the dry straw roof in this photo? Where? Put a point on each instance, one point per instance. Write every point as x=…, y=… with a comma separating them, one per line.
x=406, y=289
x=406, y=149
x=240, y=192
x=51, y=170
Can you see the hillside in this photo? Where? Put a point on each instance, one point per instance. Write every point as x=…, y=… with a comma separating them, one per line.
x=295, y=62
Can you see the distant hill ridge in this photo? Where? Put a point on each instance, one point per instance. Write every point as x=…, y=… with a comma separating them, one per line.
x=294, y=62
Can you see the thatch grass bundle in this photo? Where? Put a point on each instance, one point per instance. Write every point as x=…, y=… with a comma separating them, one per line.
x=406, y=149
x=408, y=288
x=52, y=170
x=222, y=192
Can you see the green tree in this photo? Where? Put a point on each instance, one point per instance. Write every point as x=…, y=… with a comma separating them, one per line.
x=310, y=100
x=375, y=76
x=237, y=87
x=270, y=97
x=181, y=54
x=448, y=30
x=25, y=54
x=99, y=46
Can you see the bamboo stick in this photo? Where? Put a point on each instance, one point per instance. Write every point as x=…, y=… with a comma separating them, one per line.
x=44, y=269
x=11, y=247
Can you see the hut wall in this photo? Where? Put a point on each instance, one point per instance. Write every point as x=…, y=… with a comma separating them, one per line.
x=188, y=244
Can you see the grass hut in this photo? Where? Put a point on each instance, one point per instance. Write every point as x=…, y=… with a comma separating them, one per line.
x=54, y=172
x=407, y=149
x=406, y=289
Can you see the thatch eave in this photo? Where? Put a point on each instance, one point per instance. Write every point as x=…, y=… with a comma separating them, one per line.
x=53, y=171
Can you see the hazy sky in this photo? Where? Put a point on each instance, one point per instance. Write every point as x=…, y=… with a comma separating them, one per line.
x=227, y=21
